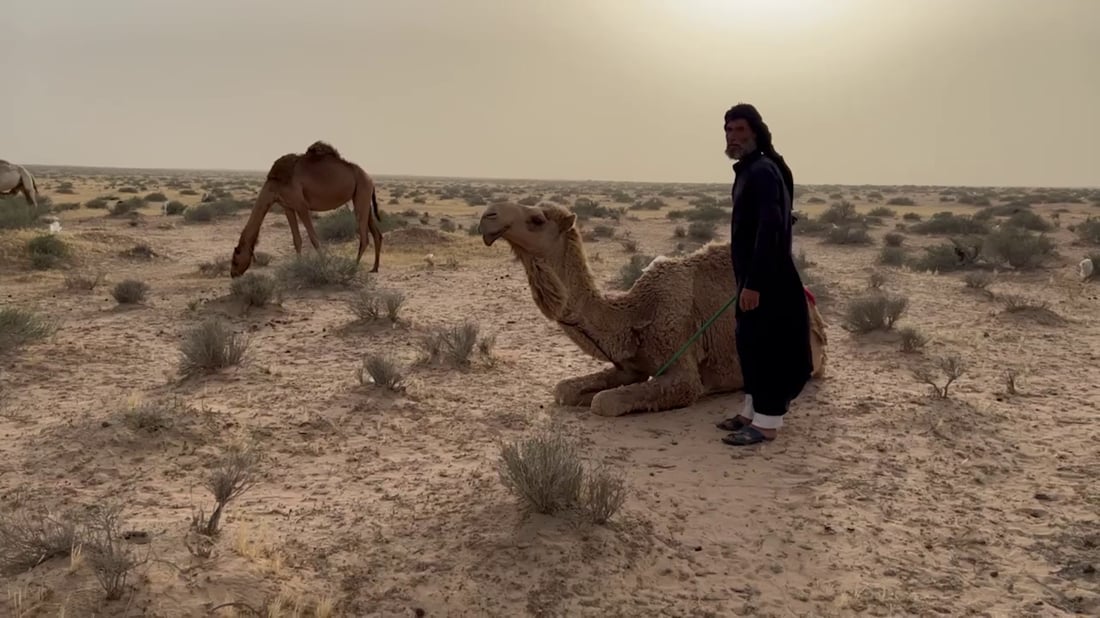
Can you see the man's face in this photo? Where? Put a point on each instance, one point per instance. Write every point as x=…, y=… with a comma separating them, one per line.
x=739, y=138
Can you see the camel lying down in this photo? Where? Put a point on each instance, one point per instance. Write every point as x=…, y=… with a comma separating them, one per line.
x=636, y=331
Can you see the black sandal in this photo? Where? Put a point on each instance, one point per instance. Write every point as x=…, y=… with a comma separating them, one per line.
x=733, y=424
x=746, y=436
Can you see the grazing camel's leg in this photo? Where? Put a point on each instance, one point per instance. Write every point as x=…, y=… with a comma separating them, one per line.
x=580, y=390
x=292, y=219
x=307, y=220
x=676, y=388
x=364, y=215
x=297, y=202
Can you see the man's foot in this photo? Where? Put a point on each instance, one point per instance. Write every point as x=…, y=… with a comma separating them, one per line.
x=749, y=435
x=734, y=423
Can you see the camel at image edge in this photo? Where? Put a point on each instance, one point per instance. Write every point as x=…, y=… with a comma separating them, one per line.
x=317, y=181
x=16, y=179
x=637, y=330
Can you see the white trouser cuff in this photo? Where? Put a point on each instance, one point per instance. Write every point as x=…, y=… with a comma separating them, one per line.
x=747, y=411
x=764, y=421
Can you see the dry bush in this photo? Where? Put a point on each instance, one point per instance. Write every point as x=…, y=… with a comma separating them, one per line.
x=454, y=344
x=911, y=339
x=130, y=291
x=215, y=268
x=701, y=231
x=20, y=326
x=875, y=311
x=546, y=473
x=893, y=239
x=882, y=212
x=16, y=214
x=949, y=223
x=1018, y=248
x=339, y=226
x=953, y=367
x=942, y=258
x=1011, y=377
x=847, y=235
x=154, y=416
x=29, y=539
x=315, y=270
x=630, y=271
x=84, y=282
x=876, y=280
x=47, y=251
x=371, y=304
x=255, y=289
x=210, y=346
x=978, y=280
x=892, y=256
x=232, y=475
x=381, y=371
x=1088, y=231
x=107, y=552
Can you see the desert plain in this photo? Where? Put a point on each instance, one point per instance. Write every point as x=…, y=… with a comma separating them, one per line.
x=366, y=430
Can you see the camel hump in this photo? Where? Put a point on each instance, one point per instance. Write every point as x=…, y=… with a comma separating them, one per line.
x=282, y=170
x=322, y=149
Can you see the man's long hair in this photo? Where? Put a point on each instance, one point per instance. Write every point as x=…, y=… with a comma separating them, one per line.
x=748, y=113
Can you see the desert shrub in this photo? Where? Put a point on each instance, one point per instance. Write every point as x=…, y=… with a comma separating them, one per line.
x=949, y=223
x=64, y=206
x=318, y=269
x=701, y=231
x=848, y=235
x=679, y=232
x=882, y=212
x=454, y=344
x=338, y=226
x=940, y=258
x=1089, y=231
x=952, y=368
x=47, y=251
x=199, y=213
x=875, y=311
x=210, y=346
x=156, y=196
x=175, y=208
x=83, y=282
x=111, y=558
x=1017, y=247
x=28, y=539
x=97, y=203
x=840, y=214
x=653, y=203
x=372, y=304
x=630, y=271
x=893, y=239
x=234, y=473
x=127, y=206
x=1029, y=220
x=130, y=291
x=900, y=201
x=255, y=289
x=911, y=216
x=978, y=280
x=381, y=371
x=17, y=214
x=602, y=494
x=911, y=339
x=447, y=225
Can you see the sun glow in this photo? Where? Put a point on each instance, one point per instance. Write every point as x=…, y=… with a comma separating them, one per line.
x=775, y=15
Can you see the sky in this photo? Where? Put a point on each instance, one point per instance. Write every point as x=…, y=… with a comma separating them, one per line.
x=945, y=92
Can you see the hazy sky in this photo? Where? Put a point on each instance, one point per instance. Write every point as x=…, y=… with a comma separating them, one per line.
x=974, y=92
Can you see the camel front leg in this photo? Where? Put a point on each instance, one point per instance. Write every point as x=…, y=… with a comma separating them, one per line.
x=678, y=388
x=580, y=390
x=307, y=220
x=295, y=233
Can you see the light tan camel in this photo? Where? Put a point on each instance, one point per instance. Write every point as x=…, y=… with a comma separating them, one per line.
x=16, y=179
x=319, y=180
x=637, y=330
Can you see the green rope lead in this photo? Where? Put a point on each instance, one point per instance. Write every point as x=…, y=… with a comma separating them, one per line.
x=699, y=332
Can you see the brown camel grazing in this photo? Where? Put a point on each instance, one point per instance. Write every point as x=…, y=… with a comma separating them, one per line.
x=319, y=180
x=16, y=179
x=637, y=330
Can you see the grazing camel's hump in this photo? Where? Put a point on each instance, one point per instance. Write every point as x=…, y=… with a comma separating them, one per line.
x=282, y=170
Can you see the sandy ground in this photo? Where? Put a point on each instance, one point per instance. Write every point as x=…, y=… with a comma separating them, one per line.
x=877, y=499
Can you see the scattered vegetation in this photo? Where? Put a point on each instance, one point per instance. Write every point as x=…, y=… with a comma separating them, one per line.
x=952, y=367
x=255, y=289
x=19, y=327
x=877, y=310
x=210, y=346
x=130, y=291
x=381, y=371
x=316, y=270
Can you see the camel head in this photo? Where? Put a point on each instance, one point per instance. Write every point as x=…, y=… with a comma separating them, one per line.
x=538, y=231
x=242, y=259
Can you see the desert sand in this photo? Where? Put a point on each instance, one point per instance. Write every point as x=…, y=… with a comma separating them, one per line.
x=880, y=497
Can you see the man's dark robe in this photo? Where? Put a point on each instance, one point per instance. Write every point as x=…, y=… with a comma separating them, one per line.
x=772, y=339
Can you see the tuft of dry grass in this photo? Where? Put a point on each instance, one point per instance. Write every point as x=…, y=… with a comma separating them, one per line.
x=210, y=346
x=84, y=283
x=371, y=304
x=28, y=539
x=20, y=326
x=107, y=552
x=381, y=371
x=47, y=251
x=911, y=339
x=953, y=367
x=455, y=344
x=875, y=311
x=255, y=289
x=316, y=270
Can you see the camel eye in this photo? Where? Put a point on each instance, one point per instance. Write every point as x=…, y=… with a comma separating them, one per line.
x=538, y=220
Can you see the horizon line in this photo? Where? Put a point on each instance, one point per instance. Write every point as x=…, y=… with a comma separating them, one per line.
x=261, y=172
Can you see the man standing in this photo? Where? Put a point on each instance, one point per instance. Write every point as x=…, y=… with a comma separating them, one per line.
x=773, y=320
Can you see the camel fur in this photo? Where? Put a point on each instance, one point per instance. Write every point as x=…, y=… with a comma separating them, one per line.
x=640, y=329
x=16, y=179
x=318, y=180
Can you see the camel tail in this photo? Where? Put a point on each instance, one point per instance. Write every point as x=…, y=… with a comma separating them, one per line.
x=374, y=204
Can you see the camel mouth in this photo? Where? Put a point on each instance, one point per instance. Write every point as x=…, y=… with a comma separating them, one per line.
x=491, y=237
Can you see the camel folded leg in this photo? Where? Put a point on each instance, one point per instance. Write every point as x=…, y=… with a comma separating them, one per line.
x=580, y=390
x=678, y=388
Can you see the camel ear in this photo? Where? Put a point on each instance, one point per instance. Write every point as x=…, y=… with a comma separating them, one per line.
x=568, y=222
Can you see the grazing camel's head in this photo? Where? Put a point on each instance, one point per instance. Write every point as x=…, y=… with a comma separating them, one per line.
x=538, y=231
x=242, y=259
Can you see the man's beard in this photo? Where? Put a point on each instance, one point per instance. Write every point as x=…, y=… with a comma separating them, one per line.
x=734, y=152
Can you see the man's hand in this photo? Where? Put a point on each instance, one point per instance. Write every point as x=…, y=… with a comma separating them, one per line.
x=749, y=299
